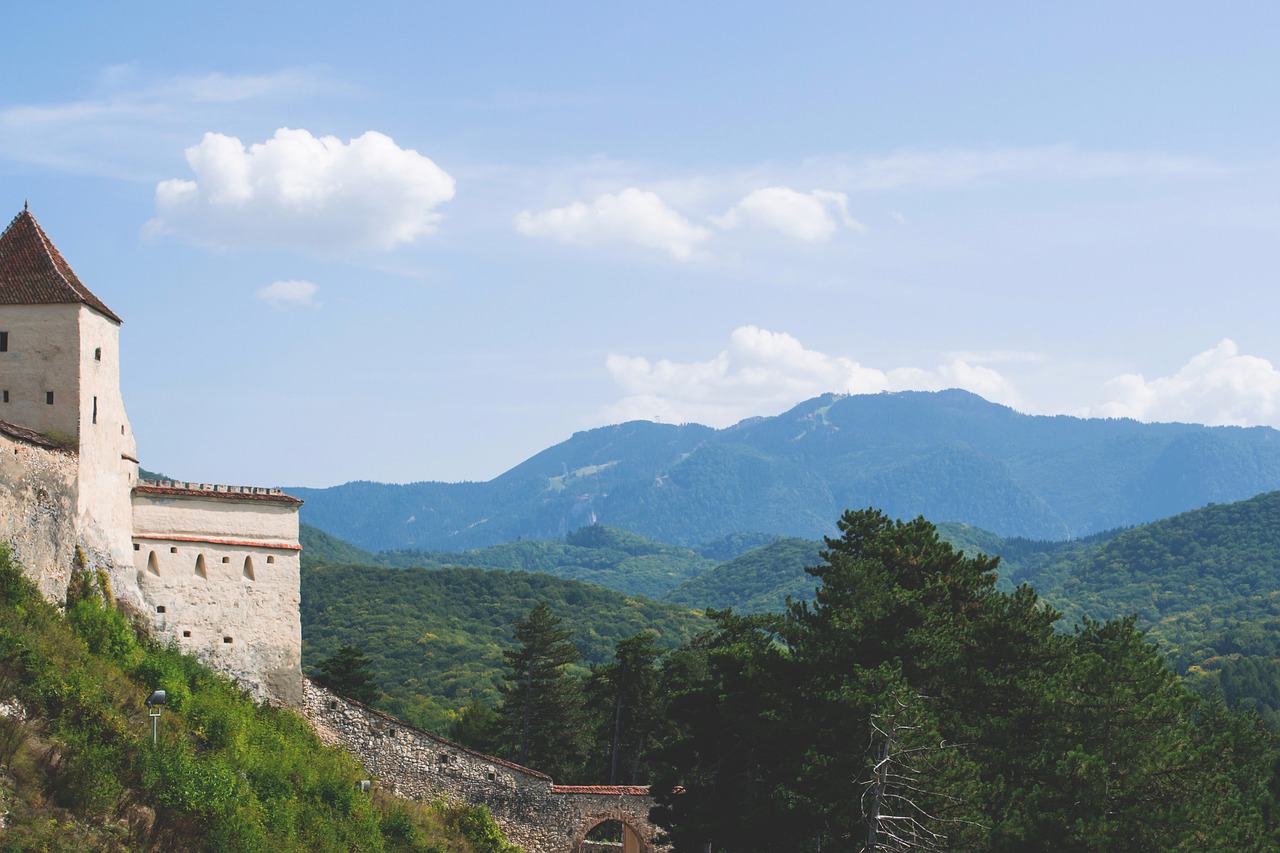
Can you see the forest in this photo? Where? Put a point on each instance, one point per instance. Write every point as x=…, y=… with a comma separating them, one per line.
x=911, y=704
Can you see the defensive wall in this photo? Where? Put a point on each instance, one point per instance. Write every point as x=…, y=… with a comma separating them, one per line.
x=218, y=571
x=38, y=506
x=533, y=812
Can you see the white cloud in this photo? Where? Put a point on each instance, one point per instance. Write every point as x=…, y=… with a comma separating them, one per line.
x=1219, y=387
x=305, y=191
x=290, y=293
x=631, y=216
x=764, y=372
x=812, y=216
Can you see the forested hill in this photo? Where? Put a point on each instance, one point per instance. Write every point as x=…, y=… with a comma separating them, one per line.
x=436, y=637
x=1205, y=583
x=950, y=456
x=595, y=554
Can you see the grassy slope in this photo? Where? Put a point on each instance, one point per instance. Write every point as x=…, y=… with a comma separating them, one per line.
x=79, y=771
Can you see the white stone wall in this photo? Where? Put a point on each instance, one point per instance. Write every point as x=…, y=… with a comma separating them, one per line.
x=38, y=511
x=43, y=356
x=216, y=514
x=220, y=576
x=108, y=466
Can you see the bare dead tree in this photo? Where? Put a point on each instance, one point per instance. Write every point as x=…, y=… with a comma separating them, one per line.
x=897, y=801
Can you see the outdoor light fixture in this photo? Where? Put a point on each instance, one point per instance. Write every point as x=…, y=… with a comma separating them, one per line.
x=154, y=703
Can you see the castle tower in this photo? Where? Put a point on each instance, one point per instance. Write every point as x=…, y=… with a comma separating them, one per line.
x=60, y=377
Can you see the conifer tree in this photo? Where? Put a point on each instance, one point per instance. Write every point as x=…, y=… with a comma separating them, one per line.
x=623, y=701
x=541, y=706
x=349, y=672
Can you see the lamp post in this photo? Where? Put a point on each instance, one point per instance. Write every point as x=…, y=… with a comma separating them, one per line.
x=154, y=703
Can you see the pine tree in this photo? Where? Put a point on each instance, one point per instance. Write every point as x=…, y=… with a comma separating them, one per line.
x=623, y=701
x=541, y=703
x=349, y=672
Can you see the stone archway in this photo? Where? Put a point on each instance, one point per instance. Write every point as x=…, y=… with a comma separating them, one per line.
x=633, y=838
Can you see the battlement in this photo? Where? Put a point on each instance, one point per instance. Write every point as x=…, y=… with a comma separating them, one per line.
x=212, y=490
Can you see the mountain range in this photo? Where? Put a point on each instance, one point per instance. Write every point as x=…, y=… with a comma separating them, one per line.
x=948, y=455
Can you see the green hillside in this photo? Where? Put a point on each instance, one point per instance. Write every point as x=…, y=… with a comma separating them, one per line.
x=759, y=581
x=595, y=554
x=436, y=636
x=948, y=455
x=1205, y=584
x=79, y=771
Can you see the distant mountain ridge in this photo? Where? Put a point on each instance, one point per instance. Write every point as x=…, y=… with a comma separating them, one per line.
x=949, y=455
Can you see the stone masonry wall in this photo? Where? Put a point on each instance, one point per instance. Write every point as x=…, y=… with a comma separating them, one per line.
x=38, y=507
x=533, y=812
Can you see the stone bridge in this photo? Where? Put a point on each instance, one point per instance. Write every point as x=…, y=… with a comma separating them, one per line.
x=534, y=812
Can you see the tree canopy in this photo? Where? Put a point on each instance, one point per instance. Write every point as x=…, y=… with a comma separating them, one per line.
x=914, y=705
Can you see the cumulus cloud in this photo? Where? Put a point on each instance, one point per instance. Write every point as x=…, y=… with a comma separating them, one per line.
x=812, y=216
x=1219, y=386
x=762, y=372
x=305, y=191
x=632, y=216
x=291, y=293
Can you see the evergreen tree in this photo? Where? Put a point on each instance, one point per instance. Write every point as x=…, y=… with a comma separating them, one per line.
x=477, y=726
x=623, y=701
x=349, y=672
x=541, y=710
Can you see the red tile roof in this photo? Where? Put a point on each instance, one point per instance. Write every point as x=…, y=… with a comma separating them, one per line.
x=33, y=271
x=30, y=436
x=611, y=790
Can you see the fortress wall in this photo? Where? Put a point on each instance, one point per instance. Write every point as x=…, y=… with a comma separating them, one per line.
x=38, y=507
x=108, y=466
x=192, y=510
x=533, y=812
x=220, y=592
x=43, y=346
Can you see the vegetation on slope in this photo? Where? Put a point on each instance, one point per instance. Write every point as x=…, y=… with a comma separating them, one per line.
x=914, y=705
x=78, y=770
x=436, y=637
x=605, y=556
x=759, y=581
x=1205, y=584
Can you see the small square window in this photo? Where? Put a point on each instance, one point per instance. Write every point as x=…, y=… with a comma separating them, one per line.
x=271, y=559
x=137, y=547
x=226, y=639
x=173, y=550
x=186, y=633
x=4, y=341
x=48, y=398
x=159, y=608
x=97, y=354
x=226, y=559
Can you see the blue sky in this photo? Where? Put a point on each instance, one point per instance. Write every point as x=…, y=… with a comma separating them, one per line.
x=424, y=241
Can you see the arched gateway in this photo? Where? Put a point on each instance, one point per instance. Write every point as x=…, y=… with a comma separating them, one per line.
x=597, y=804
x=533, y=812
